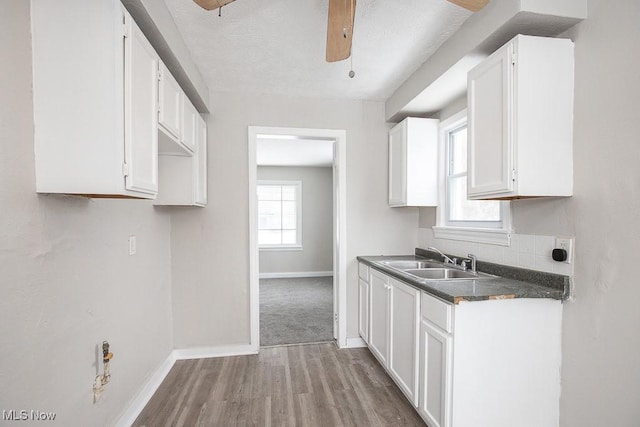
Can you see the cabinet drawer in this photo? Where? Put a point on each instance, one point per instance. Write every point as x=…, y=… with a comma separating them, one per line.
x=363, y=271
x=437, y=312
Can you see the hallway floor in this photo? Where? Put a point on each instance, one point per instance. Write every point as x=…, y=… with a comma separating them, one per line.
x=296, y=310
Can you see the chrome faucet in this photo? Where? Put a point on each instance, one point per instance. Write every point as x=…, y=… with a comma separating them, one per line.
x=447, y=260
x=472, y=259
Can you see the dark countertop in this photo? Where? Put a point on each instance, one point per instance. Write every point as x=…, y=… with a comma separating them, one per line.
x=541, y=285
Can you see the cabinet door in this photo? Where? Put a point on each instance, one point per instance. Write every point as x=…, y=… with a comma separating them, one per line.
x=403, y=338
x=189, y=124
x=398, y=165
x=201, y=159
x=170, y=112
x=363, y=309
x=490, y=153
x=379, y=317
x=435, y=375
x=141, y=105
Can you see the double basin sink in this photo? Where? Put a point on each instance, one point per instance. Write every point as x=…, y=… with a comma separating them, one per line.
x=432, y=270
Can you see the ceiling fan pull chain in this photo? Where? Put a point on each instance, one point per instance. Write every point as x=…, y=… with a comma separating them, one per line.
x=352, y=73
x=220, y=11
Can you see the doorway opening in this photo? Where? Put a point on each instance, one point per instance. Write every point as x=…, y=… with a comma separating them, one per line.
x=296, y=233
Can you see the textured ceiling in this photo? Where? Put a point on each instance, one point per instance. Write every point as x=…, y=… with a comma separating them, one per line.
x=278, y=46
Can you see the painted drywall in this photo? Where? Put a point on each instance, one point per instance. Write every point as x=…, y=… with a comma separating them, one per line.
x=601, y=343
x=66, y=279
x=317, y=221
x=210, y=249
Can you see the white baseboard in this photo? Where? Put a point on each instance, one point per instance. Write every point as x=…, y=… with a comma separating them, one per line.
x=296, y=274
x=355, y=343
x=221, y=351
x=146, y=393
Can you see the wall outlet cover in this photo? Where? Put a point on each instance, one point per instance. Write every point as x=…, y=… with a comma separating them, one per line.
x=566, y=243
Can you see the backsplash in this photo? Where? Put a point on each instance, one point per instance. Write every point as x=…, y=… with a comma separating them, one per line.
x=526, y=251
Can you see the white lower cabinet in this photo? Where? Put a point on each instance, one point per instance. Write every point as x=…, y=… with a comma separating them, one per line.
x=379, y=316
x=493, y=363
x=435, y=375
x=490, y=363
x=403, y=337
x=393, y=335
x=363, y=312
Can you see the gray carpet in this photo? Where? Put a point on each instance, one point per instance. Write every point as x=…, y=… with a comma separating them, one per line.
x=296, y=310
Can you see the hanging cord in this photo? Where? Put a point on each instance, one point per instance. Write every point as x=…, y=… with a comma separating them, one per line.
x=352, y=73
x=220, y=11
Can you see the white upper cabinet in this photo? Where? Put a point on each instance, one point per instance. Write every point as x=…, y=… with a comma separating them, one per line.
x=189, y=124
x=520, y=121
x=141, y=130
x=171, y=105
x=183, y=177
x=202, y=164
x=413, y=163
x=94, y=77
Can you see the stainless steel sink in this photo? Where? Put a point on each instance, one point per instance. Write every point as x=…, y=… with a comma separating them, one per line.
x=410, y=264
x=441, y=274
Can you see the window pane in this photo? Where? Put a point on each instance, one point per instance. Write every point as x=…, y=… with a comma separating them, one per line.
x=278, y=214
x=269, y=192
x=289, y=192
x=269, y=237
x=269, y=215
x=289, y=237
x=458, y=150
x=461, y=209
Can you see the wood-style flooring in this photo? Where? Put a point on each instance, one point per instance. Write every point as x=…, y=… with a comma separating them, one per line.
x=301, y=385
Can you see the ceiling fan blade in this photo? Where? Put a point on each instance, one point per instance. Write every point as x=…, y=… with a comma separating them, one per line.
x=212, y=4
x=342, y=15
x=472, y=5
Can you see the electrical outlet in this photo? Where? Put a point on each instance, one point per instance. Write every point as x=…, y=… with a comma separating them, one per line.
x=565, y=243
x=132, y=245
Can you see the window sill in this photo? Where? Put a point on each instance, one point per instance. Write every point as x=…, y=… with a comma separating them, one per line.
x=281, y=248
x=475, y=235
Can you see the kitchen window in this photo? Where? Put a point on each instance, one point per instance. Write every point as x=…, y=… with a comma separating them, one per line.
x=280, y=214
x=482, y=221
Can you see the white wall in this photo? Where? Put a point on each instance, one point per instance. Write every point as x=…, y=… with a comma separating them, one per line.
x=601, y=343
x=210, y=251
x=317, y=221
x=66, y=279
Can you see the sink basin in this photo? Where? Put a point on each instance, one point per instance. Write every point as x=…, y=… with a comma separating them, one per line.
x=408, y=265
x=441, y=274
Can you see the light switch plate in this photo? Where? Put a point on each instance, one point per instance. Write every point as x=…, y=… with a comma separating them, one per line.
x=132, y=245
x=566, y=243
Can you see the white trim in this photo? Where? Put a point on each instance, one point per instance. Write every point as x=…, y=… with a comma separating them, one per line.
x=283, y=248
x=146, y=393
x=355, y=343
x=218, y=351
x=339, y=220
x=153, y=383
x=286, y=275
x=493, y=236
x=476, y=235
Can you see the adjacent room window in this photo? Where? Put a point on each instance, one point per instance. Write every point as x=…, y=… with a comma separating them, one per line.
x=280, y=214
x=459, y=218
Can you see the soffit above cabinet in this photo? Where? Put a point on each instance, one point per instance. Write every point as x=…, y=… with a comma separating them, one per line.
x=443, y=78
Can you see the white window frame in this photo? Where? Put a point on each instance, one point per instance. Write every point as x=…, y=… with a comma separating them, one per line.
x=466, y=231
x=285, y=247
